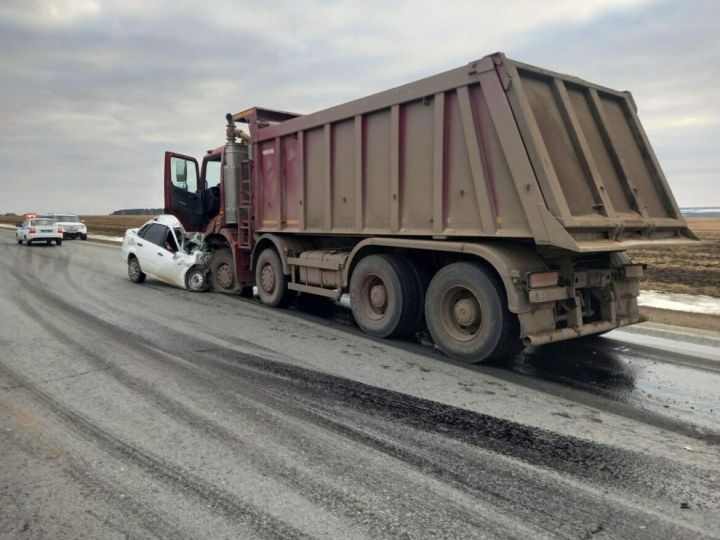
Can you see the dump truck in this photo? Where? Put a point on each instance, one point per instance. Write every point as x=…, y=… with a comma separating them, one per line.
x=491, y=204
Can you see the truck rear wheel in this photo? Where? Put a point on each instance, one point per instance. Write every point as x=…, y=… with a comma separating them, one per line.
x=384, y=296
x=270, y=280
x=467, y=314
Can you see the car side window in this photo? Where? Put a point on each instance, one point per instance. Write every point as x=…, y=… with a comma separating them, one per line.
x=143, y=230
x=156, y=234
x=170, y=243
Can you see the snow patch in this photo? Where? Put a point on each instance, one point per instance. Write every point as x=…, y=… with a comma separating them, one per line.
x=690, y=303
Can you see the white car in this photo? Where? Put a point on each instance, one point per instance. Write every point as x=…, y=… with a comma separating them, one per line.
x=161, y=249
x=73, y=226
x=39, y=230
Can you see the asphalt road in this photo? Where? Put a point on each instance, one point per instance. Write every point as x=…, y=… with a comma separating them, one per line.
x=146, y=411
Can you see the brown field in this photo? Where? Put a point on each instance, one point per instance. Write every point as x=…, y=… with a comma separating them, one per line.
x=106, y=225
x=692, y=270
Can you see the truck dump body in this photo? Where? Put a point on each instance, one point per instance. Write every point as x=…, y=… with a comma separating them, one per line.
x=490, y=204
x=495, y=149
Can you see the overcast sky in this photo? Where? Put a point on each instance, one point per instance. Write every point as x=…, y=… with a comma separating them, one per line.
x=92, y=93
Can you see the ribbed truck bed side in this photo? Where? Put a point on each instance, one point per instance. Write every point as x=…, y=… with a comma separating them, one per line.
x=494, y=149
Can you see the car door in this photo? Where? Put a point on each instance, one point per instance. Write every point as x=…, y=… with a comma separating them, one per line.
x=174, y=260
x=148, y=247
x=161, y=259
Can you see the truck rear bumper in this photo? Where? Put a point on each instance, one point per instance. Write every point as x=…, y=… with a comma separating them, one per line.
x=551, y=336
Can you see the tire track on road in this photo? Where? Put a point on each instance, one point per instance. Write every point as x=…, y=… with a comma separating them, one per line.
x=234, y=509
x=334, y=500
x=443, y=419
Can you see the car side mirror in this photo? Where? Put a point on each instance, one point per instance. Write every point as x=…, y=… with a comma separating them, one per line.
x=18, y=225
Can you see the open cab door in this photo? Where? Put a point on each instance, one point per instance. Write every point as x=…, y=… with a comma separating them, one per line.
x=184, y=191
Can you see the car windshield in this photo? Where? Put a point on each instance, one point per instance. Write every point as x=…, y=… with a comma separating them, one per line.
x=66, y=218
x=41, y=222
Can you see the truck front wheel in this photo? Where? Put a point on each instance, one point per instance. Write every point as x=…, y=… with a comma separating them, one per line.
x=384, y=296
x=467, y=314
x=270, y=280
x=222, y=271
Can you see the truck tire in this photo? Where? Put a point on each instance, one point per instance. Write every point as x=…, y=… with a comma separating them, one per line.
x=384, y=296
x=222, y=271
x=135, y=273
x=422, y=278
x=467, y=314
x=270, y=280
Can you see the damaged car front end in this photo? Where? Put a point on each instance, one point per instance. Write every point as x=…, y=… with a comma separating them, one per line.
x=163, y=250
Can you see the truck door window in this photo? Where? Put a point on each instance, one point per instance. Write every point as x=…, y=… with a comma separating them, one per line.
x=183, y=174
x=212, y=174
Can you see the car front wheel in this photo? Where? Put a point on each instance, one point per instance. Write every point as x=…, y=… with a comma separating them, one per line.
x=196, y=280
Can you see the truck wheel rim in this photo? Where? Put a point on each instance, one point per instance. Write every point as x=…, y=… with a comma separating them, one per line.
x=267, y=278
x=375, y=294
x=460, y=313
x=196, y=281
x=224, y=276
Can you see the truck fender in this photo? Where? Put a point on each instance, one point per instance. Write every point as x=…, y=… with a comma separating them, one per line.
x=285, y=246
x=511, y=262
x=222, y=236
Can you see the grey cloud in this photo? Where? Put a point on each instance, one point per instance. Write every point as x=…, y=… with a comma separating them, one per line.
x=90, y=99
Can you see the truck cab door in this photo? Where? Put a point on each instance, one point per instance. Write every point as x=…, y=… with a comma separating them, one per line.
x=184, y=191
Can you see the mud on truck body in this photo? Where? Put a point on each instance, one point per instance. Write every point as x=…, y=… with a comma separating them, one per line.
x=493, y=202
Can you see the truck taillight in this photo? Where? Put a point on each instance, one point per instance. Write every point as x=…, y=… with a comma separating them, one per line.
x=60, y=229
x=633, y=271
x=32, y=230
x=538, y=280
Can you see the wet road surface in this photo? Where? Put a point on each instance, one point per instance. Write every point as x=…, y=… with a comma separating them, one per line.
x=146, y=411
